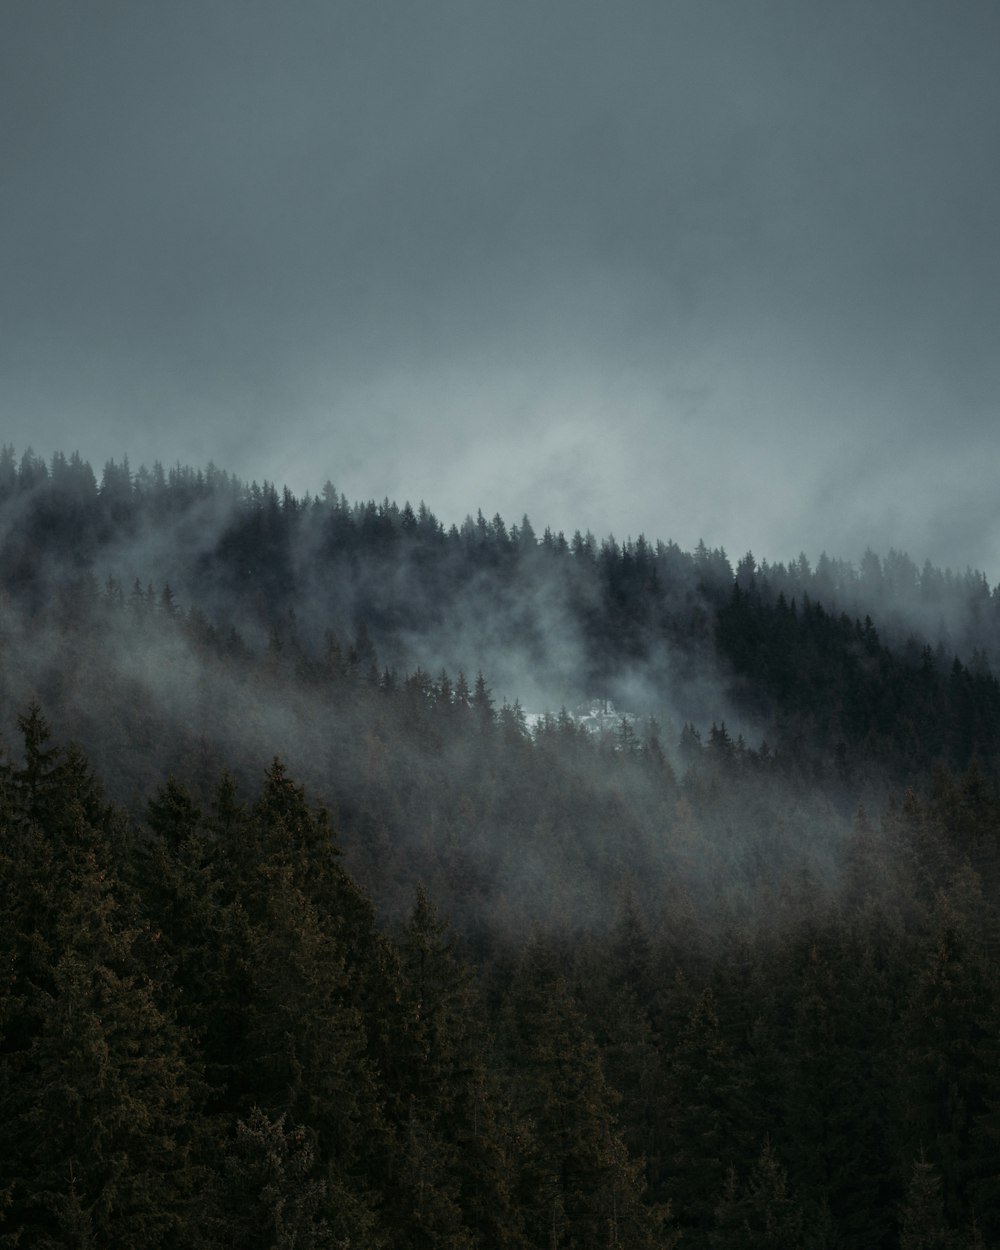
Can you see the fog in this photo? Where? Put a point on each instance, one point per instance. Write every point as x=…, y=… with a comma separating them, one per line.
x=319, y=631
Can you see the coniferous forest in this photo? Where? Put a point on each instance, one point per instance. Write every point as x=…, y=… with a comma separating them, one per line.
x=332, y=916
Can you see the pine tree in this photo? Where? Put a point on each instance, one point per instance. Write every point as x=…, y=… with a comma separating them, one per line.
x=944, y=1088
x=314, y=1008
x=452, y=1145
x=578, y=1189
x=922, y=1223
x=100, y=1099
x=762, y=1214
x=705, y=1118
x=197, y=936
x=270, y=1194
x=836, y=1070
x=619, y=994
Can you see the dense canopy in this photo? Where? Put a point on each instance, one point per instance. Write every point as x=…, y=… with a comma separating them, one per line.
x=340, y=927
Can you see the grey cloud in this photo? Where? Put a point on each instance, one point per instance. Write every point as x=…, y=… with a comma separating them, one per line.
x=678, y=268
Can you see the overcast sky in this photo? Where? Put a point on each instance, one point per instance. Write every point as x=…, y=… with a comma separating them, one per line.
x=704, y=268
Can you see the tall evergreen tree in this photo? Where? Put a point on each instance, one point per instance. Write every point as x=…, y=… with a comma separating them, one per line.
x=101, y=1101
x=922, y=1222
x=577, y=1186
x=269, y=1194
x=454, y=1146
x=762, y=1213
x=706, y=1121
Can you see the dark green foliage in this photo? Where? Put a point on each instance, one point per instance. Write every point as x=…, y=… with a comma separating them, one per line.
x=841, y=1020
x=762, y=1214
x=577, y=1186
x=951, y=1003
x=705, y=1117
x=100, y=1087
x=922, y=1223
x=684, y=982
x=269, y=1196
x=452, y=1184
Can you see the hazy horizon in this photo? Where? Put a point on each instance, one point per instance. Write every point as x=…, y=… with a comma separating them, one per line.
x=692, y=270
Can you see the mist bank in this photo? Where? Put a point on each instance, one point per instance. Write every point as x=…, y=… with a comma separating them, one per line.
x=431, y=778
x=879, y=671
x=549, y=620
x=184, y=622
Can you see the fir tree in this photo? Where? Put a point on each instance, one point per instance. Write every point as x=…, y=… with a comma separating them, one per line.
x=578, y=1188
x=101, y=1101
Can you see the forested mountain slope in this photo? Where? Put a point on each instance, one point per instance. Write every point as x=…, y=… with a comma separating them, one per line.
x=725, y=972
x=191, y=578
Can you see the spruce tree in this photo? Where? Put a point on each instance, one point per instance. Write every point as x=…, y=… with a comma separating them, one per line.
x=761, y=1213
x=454, y=1145
x=578, y=1188
x=944, y=1089
x=270, y=1194
x=705, y=1118
x=100, y=1096
x=922, y=1222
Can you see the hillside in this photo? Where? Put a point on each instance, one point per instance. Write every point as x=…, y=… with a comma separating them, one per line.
x=339, y=923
